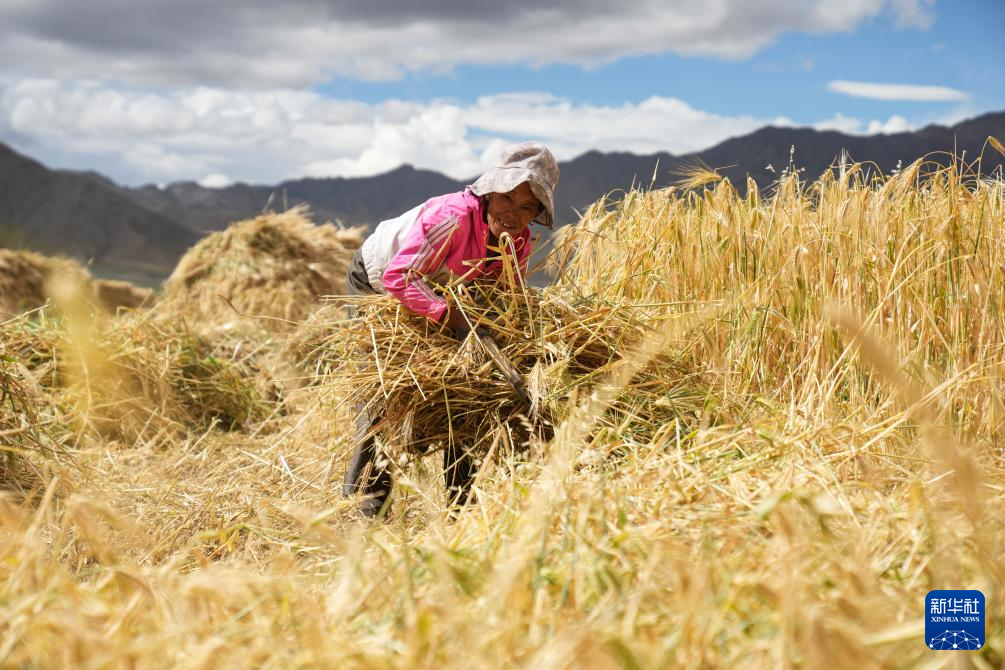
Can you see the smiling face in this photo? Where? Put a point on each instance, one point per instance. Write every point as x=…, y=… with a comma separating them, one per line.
x=512, y=212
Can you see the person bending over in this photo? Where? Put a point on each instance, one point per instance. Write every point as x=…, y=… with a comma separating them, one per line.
x=447, y=237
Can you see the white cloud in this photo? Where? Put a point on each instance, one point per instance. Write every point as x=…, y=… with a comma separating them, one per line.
x=221, y=136
x=243, y=44
x=268, y=136
x=840, y=123
x=853, y=126
x=904, y=92
x=895, y=124
x=657, y=123
x=216, y=180
x=913, y=13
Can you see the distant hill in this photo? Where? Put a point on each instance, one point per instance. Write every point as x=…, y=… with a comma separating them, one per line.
x=369, y=200
x=146, y=229
x=85, y=216
x=815, y=150
x=357, y=200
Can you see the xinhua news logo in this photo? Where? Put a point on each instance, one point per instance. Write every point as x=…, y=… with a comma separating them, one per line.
x=954, y=620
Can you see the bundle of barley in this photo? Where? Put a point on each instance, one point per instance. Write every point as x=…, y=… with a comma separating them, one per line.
x=26, y=278
x=24, y=275
x=429, y=390
x=22, y=283
x=275, y=266
x=113, y=294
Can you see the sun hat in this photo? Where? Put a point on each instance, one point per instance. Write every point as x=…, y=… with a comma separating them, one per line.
x=524, y=162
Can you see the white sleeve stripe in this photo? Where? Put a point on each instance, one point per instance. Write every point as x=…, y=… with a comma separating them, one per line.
x=424, y=289
x=436, y=236
x=437, y=232
x=448, y=221
x=420, y=259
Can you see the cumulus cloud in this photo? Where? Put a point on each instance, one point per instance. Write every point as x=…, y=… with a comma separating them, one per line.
x=215, y=180
x=895, y=124
x=853, y=126
x=903, y=92
x=243, y=44
x=267, y=136
x=840, y=123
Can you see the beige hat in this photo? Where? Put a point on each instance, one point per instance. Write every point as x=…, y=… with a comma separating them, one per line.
x=525, y=162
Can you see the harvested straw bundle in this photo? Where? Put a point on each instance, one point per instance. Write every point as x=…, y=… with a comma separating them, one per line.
x=432, y=391
x=113, y=294
x=275, y=266
x=25, y=274
x=25, y=279
x=22, y=283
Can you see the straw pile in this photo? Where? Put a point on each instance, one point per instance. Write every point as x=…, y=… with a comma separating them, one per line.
x=275, y=266
x=21, y=283
x=113, y=294
x=24, y=275
x=431, y=390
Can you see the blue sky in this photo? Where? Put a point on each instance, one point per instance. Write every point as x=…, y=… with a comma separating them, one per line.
x=150, y=91
x=964, y=49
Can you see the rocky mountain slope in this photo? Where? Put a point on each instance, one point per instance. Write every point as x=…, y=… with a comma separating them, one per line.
x=85, y=216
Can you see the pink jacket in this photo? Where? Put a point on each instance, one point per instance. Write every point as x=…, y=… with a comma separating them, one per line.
x=444, y=238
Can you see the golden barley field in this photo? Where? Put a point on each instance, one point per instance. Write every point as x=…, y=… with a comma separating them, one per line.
x=765, y=424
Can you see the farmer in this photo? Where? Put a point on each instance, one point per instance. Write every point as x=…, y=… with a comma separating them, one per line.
x=447, y=237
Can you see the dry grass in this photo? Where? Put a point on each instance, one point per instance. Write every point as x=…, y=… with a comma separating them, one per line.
x=31, y=432
x=18, y=421
x=131, y=379
x=853, y=332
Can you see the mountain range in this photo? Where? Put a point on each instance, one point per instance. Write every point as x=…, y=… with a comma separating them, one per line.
x=140, y=232
x=85, y=216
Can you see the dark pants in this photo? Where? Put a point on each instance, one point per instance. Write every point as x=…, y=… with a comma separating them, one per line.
x=365, y=475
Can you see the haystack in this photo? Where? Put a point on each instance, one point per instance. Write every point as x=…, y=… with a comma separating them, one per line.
x=24, y=275
x=275, y=266
x=113, y=294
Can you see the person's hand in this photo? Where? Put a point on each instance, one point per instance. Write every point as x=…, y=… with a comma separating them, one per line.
x=457, y=324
